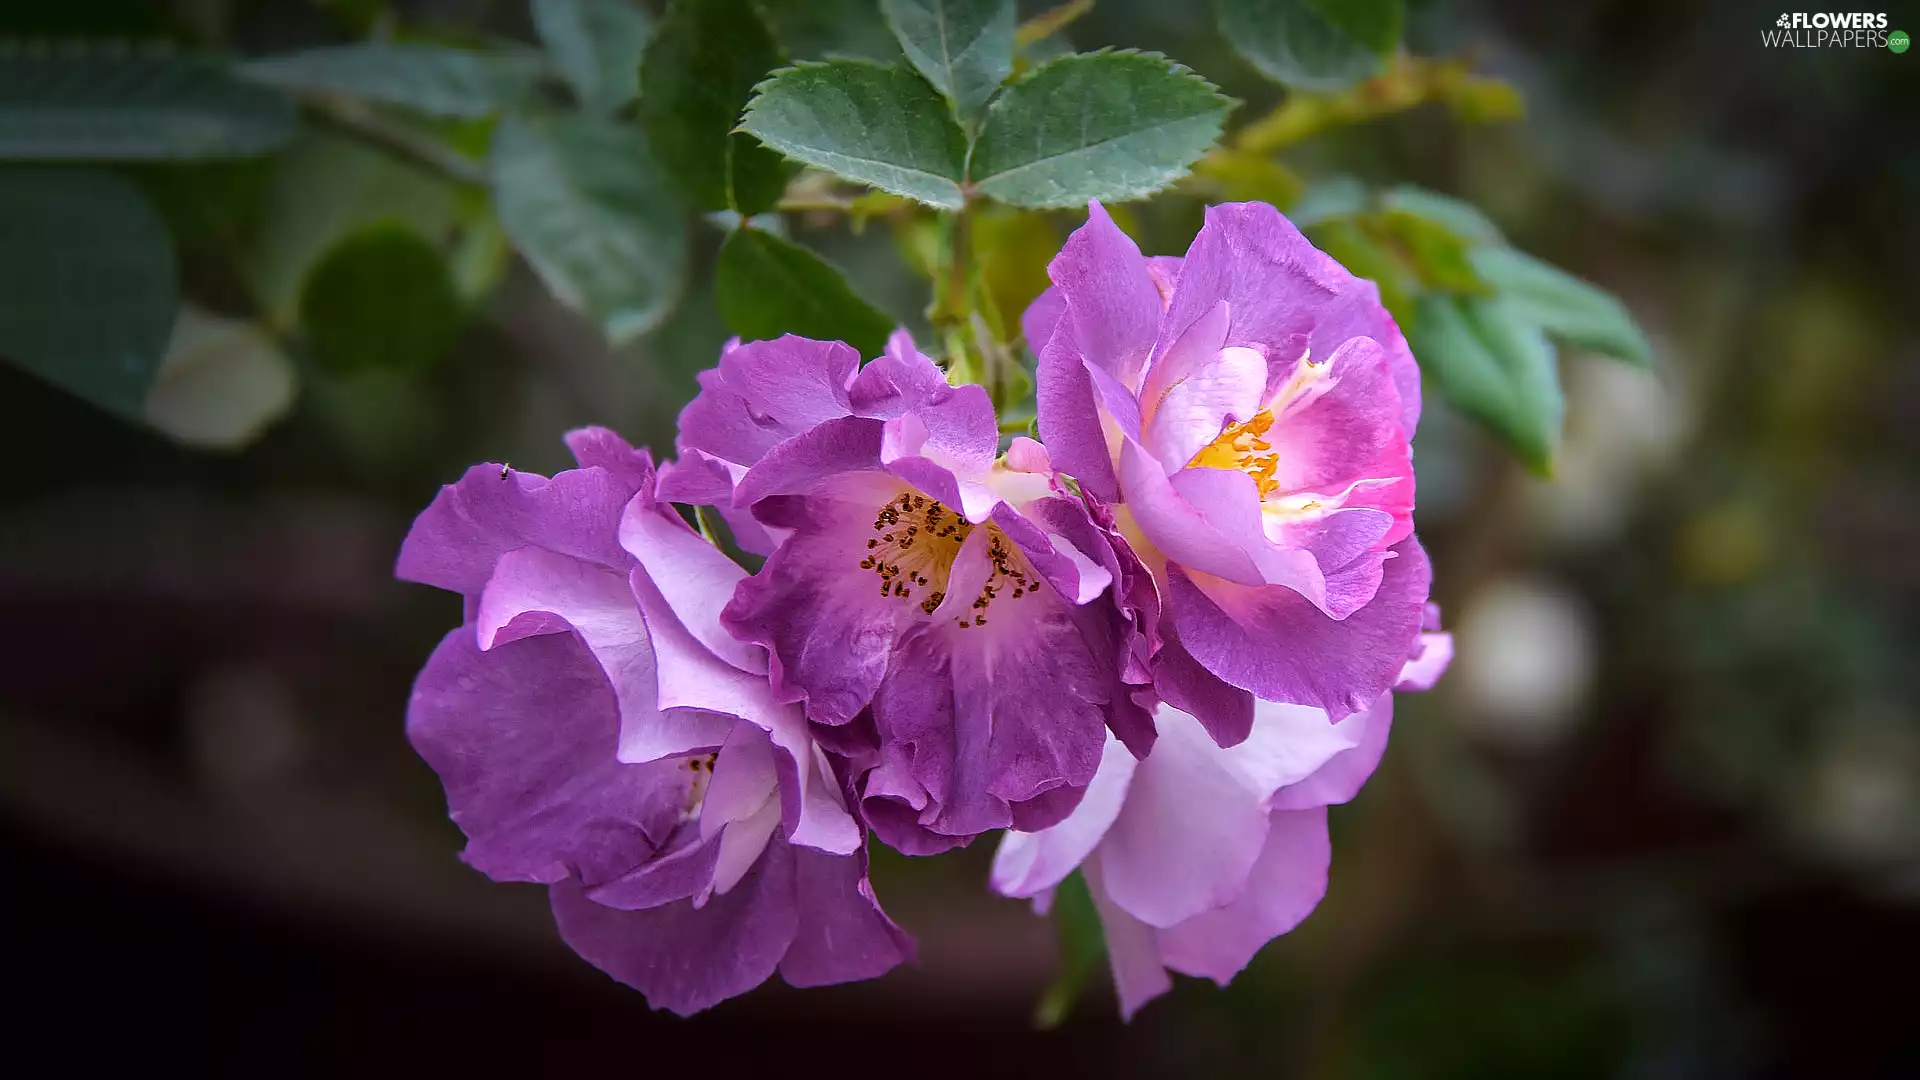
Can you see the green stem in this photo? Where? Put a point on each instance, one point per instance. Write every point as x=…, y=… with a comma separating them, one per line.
x=954, y=307
x=356, y=119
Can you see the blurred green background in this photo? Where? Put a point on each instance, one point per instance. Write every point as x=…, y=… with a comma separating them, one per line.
x=1661, y=820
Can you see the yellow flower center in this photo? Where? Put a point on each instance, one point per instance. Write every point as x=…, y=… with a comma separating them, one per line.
x=1242, y=447
x=913, y=547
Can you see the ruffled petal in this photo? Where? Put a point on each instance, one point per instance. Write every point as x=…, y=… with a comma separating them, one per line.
x=1192, y=826
x=1069, y=418
x=1275, y=643
x=1324, y=443
x=1031, y=863
x=598, y=447
x=1133, y=949
x=523, y=739
x=896, y=381
x=802, y=463
x=456, y=540
x=1225, y=711
x=686, y=958
x=700, y=479
x=1182, y=532
x=843, y=935
x=1286, y=885
x=1112, y=303
x=1431, y=659
x=685, y=870
x=799, y=381
x=1341, y=778
x=597, y=603
x=811, y=606
x=695, y=578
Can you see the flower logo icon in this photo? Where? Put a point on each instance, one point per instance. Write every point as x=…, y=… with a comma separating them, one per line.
x=1783, y=21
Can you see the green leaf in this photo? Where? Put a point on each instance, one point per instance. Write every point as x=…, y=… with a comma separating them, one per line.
x=224, y=381
x=591, y=208
x=768, y=287
x=1335, y=197
x=433, y=79
x=879, y=125
x=963, y=47
x=1082, y=946
x=100, y=103
x=1462, y=218
x=88, y=285
x=381, y=299
x=705, y=59
x=1568, y=308
x=325, y=186
x=1313, y=44
x=1496, y=366
x=596, y=46
x=819, y=29
x=1438, y=256
x=1109, y=126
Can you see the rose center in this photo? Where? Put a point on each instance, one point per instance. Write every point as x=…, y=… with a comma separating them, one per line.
x=1243, y=447
x=915, y=540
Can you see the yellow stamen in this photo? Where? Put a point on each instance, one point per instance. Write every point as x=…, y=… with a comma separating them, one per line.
x=915, y=542
x=1242, y=448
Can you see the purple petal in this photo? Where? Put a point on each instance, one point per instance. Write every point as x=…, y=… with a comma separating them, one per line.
x=1042, y=316
x=1287, y=883
x=800, y=381
x=597, y=603
x=1325, y=443
x=813, y=608
x=1030, y=863
x=1133, y=949
x=1249, y=256
x=1275, y=643
x=743, y=780
x=1025, y=455
x=684, y=870
x=1430, y=661
x=685, y=958
x=720, y=422
x=954, y=427
x=698, y=696
x=1071, y=573
x=457, y=539
x=1182, y=531
x=1341, y=778
x=1113, y=306
x=1290, y=744
x=802, y=463
x=1190, y=831
x=1225, y=711
x=1230, y=502
x=600, y=447
x=695, y=578
x=843, y=935
x=1070, y=423
x=523, y=739
x=700, y=479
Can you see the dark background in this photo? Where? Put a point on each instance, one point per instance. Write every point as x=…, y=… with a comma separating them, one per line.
x=1661, y=820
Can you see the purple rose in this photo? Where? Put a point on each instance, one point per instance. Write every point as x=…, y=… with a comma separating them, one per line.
x=1198, y=856
x=599, y=732
x=1248, y=411
x=945, y=615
